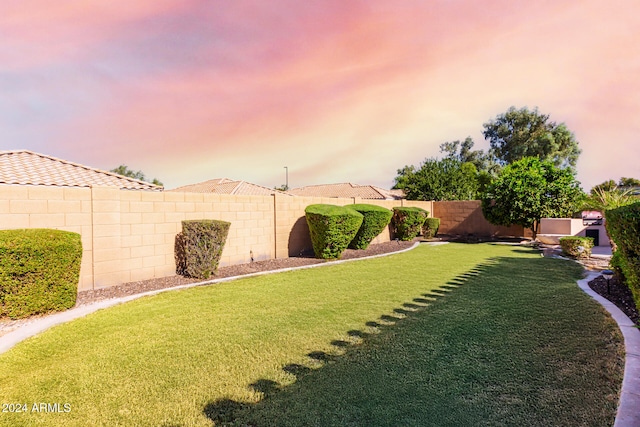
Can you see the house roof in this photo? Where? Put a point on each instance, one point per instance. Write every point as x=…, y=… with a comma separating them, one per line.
x=348, y=190
x=229, y=186
x=24, y=167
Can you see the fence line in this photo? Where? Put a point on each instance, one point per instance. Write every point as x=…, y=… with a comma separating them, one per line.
x=129, y=235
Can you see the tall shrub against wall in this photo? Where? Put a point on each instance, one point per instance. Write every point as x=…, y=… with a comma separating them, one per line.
x=199, y=247
x=623, y=226
x=430, y=227
x=407, y=221
x=375, y=219
x=332, y=228
x=39, y=271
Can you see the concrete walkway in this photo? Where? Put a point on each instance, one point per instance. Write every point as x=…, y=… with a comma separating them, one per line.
x=629, y=407
x=601, y=251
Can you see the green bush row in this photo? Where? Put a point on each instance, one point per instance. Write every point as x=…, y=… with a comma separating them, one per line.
x=576, y=246
x=332, y=228
x=407, y=222
x=623, y=227
x=375, y=219
x=430, y=228
x=39, y=271
x=199, y=246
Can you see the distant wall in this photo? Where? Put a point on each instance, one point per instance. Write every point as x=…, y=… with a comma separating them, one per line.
x=465, y=217
x=551, y=229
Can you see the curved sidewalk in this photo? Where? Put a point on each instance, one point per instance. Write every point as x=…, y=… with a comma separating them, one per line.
x=628, y=414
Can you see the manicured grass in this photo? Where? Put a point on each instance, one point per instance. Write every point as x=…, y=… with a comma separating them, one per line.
x=513, y=341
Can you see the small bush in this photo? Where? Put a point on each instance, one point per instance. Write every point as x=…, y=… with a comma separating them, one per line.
x=407, y=222
x=199, y=246
x=577, y=247
x=332, y=228
x=623, y=226
x=39, y=271
x=430, y=227
x=375, y=219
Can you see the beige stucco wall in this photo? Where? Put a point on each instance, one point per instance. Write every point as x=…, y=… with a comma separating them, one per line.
x=551, y=229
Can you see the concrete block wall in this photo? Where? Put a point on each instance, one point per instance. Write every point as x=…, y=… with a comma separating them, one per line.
x=66, y=209
x=465, y=217
x=130, y=235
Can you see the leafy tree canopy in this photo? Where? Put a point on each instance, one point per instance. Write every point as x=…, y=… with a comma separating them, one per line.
x=517, y=134
x=611, y=186
x=628, y=182
x=125, y=171
x=608, y=185
x=530, y=189
x=464, y=153
x=446, y=179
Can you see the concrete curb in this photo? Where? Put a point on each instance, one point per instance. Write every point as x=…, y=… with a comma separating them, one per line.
x=628, y=414
x=39, y=325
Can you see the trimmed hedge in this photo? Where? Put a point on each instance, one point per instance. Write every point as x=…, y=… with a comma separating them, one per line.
x=375, y=219
x=332, y=228
x=623, y=226
x=430, y=227
x=39, y=271
x=199, y=246
x=576, y=246
x=407, y=221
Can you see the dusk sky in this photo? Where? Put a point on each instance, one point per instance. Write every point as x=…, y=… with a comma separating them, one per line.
x=336, y=90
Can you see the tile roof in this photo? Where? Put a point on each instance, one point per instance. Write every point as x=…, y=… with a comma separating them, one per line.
x=24, y=167
x=228, y=186
x=347, y=190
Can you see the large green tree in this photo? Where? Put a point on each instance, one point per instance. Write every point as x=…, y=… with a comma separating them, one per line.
x=445, y=179
x=463, y=152
x=530, y=189
x=125, y=171
x=520, y=133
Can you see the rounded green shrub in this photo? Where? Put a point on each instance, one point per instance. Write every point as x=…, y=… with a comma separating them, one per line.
x=39, y=271
x=576, y=246
x=198, y=248
x=407, y=221
x=430, y=227
x=332, y=228
x=375, y=219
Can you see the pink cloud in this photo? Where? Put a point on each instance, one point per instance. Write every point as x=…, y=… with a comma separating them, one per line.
x=207, y=81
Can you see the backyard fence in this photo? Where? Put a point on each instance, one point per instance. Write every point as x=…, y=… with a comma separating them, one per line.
x=129, y=235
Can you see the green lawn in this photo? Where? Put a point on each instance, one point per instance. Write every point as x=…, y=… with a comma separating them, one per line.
x=511, y=341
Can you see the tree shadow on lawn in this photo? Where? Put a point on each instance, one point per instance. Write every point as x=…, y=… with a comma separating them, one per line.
x=230, y=412
x=489, y=353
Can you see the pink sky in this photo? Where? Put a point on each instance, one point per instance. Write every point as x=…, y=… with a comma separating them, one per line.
x=337, y=91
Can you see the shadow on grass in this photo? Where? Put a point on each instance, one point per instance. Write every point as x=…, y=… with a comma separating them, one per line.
x=226, y=411
x=516, y=344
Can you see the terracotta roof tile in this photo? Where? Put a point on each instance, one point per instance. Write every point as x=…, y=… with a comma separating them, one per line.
x=346, y=190
x=23, y=167
x=228, y=186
